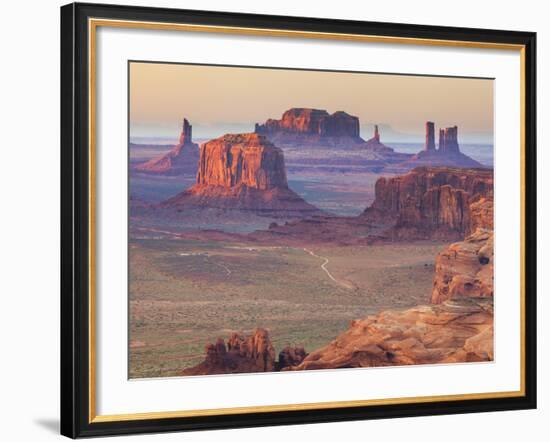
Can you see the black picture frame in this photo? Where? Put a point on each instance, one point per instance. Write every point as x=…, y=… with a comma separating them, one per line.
x=75, y=220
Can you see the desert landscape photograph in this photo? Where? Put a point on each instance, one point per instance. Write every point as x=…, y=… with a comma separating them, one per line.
x=283, y=220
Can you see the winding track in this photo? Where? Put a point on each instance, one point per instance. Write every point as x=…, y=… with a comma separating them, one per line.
x=324, y=267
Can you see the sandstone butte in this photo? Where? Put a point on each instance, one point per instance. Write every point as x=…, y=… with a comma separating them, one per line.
x=242, y=172
x=305, y=127
x=432, y=202
x=447, y=152
x=245, y=354
x=182, y=159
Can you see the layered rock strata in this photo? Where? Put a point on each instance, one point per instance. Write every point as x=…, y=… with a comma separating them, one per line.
x=455, y=331
x=428, y=202
x=465, y=269
x=242, y=172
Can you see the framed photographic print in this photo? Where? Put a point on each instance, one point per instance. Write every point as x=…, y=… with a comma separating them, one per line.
x=279, y=220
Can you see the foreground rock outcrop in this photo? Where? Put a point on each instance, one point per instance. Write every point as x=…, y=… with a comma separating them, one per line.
x=246, y=354
x=455, y=331
x=242, y=172
x=465, y=269
x=432, y=202
x=181, y=160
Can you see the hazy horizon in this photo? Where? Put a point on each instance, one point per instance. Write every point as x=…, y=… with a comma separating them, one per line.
x=218, y=100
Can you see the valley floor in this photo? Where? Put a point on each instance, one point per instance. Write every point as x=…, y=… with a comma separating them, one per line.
x=186, y=293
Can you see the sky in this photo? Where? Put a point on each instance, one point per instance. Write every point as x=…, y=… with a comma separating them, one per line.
x=218, y=100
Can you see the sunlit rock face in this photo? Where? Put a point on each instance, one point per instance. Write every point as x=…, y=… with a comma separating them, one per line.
x=243, y=172
x=433, y=202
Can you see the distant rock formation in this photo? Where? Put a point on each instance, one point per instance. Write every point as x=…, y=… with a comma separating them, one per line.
x=246, y=354
x=312, y=122
x=430, y=136
x=242, y=172
x=181, y=160
x=304, y=127
x=455, y=331
x=465, y=269
x=432, y=202
x=448, y=153
x=375, y=144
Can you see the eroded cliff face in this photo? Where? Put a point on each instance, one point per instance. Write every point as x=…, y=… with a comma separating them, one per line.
x=431, y=202
x=304, y=127
x=312, y=122
x=245, y=354
x=242, y=172
x=456, y=331
x=181, y=160
x=465, y=269
x=242, y=159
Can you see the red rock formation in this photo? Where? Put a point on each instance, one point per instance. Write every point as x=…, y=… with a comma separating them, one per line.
x=375, y=144
x=465, y=269
x=244, y=159
x=182, y=159
x=429, y=202
x=448, y=139
x=312, y=122
x=242, y=354
x=291, y=357
x=430, y=136
x=481, y=213
x=455, y=331
x=243, y=172
x=447, y=155
x=303, y=127
x=246, y=354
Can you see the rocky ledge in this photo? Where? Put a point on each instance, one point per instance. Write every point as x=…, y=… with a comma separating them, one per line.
x=455, y=331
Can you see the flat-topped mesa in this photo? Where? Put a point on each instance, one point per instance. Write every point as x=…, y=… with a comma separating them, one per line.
x=430, y=136
x=312, y=122
x=181, y=160
x=241, y=159
x=432, y=202
x=244, y=172
x=304, y=127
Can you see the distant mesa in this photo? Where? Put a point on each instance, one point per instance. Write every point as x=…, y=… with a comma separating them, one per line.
x=305, y=127
x=447, y=154
x=181, y=160
x=433, y=203
x=244, y=172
